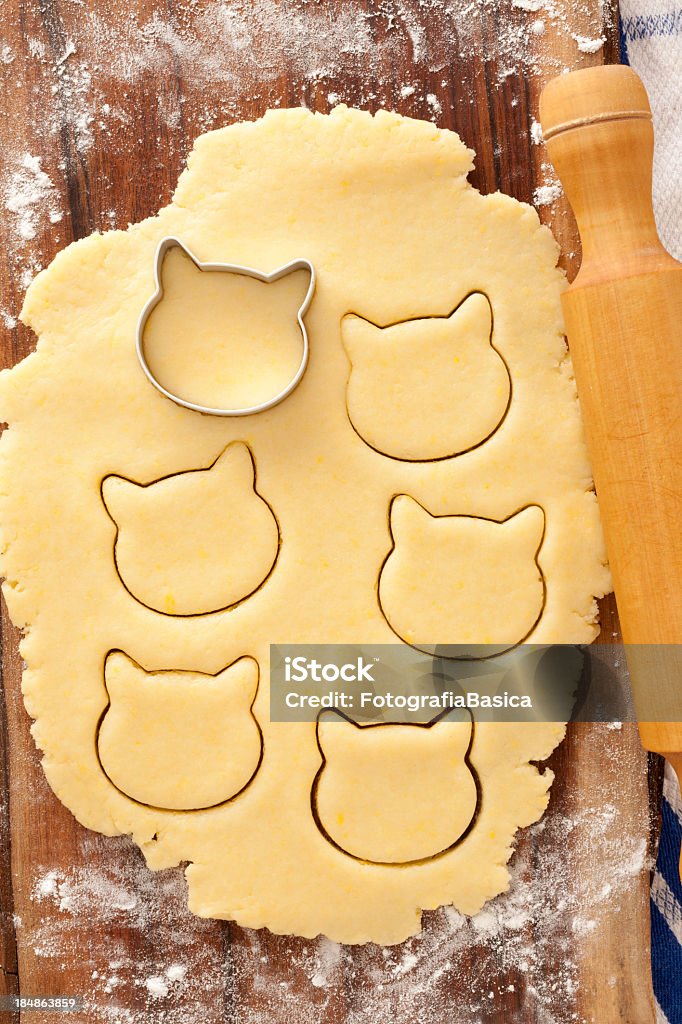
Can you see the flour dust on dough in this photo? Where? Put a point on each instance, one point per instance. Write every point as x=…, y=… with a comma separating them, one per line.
x=382, y=208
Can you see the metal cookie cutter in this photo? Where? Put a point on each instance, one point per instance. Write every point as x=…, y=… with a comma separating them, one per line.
x=299, y=264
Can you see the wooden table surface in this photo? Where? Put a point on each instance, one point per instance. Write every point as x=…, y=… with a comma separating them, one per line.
x=110, y=96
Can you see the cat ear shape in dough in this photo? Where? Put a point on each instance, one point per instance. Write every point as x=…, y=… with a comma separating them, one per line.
x=395, y=794
x=195, y=542
x=179, y=740
x=221, y=339
x=461, y=580
x=426, y=389
x=175, y=264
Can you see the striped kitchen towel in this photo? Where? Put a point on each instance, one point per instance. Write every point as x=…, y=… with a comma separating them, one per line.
x=651, y=35
x=651, y=38
x=666, y=908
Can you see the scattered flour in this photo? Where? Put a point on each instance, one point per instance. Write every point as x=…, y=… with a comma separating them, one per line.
x=545, y=195
x=520, y=955
x=536, y=132
x=29, y=194
x=176, y=972
x=407, y=964
x=45, y=886
x=78, y=892
x=73, y=98
x=151, y=952
x=587, y=45
x=157, y=986
x=86, y=84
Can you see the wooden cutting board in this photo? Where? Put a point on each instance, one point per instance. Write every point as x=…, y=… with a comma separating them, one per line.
x=110, y=96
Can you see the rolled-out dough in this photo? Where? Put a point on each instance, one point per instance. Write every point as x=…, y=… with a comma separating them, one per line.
x=382, y=208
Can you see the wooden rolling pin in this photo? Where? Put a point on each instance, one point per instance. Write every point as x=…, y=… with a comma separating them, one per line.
x=624, y=324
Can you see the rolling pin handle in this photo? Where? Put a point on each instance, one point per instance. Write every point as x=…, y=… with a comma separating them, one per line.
x=599, y=134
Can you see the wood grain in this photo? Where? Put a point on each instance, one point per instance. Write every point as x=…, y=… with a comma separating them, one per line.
x=127, y=170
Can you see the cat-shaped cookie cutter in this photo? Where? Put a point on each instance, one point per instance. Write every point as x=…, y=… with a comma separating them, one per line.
x=231, y=268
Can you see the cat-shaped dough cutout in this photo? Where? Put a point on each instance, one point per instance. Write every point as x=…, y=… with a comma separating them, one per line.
x=176, y=740
x=220, y=339
x=430, y=388
x=461, y=581
x=395, y=794
x=195, y=542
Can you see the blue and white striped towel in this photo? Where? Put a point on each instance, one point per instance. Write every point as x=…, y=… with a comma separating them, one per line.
x=651, y=34
x=666, y=909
